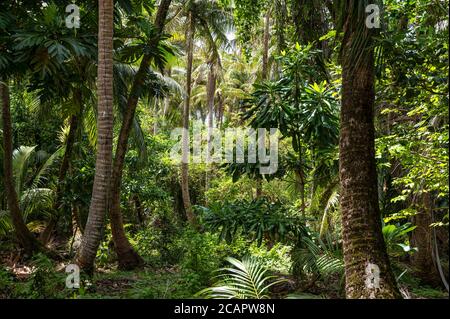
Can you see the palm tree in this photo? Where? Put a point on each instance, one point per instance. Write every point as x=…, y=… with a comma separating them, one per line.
x=212, y=23
x=127, y=256
x=363, y=242
x=53, y=76
x=26, y=239
x=30, y=170
x=99, y=202
x=185, y=137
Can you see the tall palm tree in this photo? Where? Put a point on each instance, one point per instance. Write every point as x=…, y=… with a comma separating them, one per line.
x=363, y=243
x=211, y=22
x=26, y=239
x=8, y=68
x=54, y=75
x=127, y=256
x=99, y=202
x=185, y=136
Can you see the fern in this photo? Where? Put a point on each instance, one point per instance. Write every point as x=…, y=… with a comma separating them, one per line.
x=318, y=257
x=246, y=280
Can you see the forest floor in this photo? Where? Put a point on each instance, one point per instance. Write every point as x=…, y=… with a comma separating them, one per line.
x=163, y=283
x=44, y=278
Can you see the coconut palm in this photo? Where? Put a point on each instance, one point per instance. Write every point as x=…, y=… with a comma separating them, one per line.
x=151, y=50
x=209, y=21
x=99, y=202
x=26, y=239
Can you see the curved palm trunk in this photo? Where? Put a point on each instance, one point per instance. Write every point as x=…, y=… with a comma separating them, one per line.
x=99, y=202
x=185, y=137
x=24, y=236
x=128, y=258
x=363, y=243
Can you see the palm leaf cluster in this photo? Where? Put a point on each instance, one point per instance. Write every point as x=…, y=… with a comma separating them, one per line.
x=247, y=279
x=259, y=220
x=320, y=257
x=31, y=170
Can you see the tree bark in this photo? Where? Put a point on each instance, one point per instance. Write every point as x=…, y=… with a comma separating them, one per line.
x=24, y=236
x=128, y=258
x=363, y=242
x=210, y=93
x=220, y=109
x=265, y=66
x=185, y=137
x=264, y=76
x=259, y=186
x=422, y=238
x=99, y=202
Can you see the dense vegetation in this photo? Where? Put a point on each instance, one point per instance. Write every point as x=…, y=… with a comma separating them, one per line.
x=357, y=206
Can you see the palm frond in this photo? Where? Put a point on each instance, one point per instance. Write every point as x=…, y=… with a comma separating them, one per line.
x=247, y=279
x=40, y=176
x=5, y=223
x=21, y=157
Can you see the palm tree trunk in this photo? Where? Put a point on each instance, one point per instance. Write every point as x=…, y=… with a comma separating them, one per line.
x=99, y=202
x=220, y=110
x=265, y=63
x=167, y=99
x=128, y=258
x=259, y=187
x=264, y=76
x=363, y=243
x=423, y=259
x=300, y=178
x=210, y=93
x=185, y=137
x=24, y=236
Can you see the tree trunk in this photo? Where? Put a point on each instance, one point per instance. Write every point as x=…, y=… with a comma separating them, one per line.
x=265, y=66
x=220, y=109
x=422, y=238
x=210, y=93
x=167, y=99
x=185, y=137
x=363, y=243
x=93, y=232
x=300, y=178
x=264, y=76
x=127, y=256
x=139, y=210
x=259, y=190
x=24, y=236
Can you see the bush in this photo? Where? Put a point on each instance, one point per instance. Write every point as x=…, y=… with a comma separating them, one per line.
x=6, y=283
x=44, y=282
x=259, y=219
